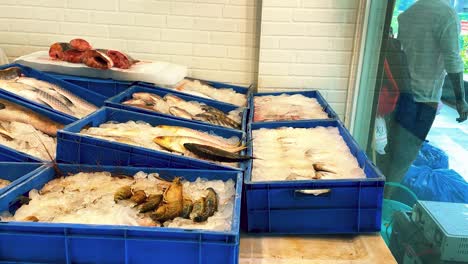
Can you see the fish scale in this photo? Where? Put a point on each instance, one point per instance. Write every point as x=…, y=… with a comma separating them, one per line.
x=53, y=103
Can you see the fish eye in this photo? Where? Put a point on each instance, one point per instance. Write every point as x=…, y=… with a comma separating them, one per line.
x=2, y=106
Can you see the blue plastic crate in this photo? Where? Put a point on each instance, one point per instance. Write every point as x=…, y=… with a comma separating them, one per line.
x=76, y=148
x=87, y=95
x=311, y=94
x=9, y=154
x=28, y=242
x=352, y=205
x=105, y=87
x=219, y=85
x=17, y=173
x=116, y=102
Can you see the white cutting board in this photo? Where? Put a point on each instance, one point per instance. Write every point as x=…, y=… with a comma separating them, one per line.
x=159, y=72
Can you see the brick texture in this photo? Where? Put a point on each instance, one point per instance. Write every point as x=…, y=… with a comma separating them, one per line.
x=307, y=44
x=216, y=39
x=282, y=44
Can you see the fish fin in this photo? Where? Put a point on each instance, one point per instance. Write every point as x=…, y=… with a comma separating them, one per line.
x=68, y=102
x=6, y=136
x=236, y=149
x=46, y=104
x=46, y=150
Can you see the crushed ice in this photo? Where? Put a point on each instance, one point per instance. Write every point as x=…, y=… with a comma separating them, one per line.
x=289, y=153
x=88, y=198
x=287, y=107
x=29, y=140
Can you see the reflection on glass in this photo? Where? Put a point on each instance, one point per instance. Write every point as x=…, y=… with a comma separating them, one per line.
x=409, y=100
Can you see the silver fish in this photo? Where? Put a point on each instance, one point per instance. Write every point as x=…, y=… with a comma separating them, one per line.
x=45, y=87
x=54, y=103
x=72, y=98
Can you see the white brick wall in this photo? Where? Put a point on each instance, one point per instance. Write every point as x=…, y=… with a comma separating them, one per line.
x=216, y=39
x=307, y=44
x=303, y=43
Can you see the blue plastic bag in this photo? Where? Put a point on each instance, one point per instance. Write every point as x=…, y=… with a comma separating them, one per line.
x=443, y=185
x=432, y=157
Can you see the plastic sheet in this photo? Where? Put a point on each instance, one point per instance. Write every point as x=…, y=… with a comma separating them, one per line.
x=442, y=185
x=432, y=156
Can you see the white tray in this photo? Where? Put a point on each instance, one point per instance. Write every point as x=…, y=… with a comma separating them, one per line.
x=159, y=72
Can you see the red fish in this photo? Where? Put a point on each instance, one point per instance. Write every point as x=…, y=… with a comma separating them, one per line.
x=57, y=49
x=120, y=59
x=80, y=44
x=97, y=59
x=73, y=56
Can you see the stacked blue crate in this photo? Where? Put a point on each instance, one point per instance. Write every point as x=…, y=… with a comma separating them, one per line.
x=351, y=206
x=68, y=243
x=116, y=102
x=76, y=148
x=16, y=173
x=30, y=242
x=105, y=87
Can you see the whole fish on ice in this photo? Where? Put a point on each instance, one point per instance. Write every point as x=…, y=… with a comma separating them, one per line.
x=44, y=93
x=205, y=90
x=192, y=110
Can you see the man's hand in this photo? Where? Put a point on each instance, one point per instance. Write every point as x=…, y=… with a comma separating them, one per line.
x=462, y=109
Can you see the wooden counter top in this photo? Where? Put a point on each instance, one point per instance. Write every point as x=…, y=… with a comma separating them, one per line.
x=314, y=249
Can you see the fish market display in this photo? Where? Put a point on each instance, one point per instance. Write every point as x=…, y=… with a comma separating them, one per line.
x=178, y=140
x=173, y=105
x=26, y=131
x=287, y=107
x=302, y=154
x=80, y=51
x=4, y=183
x=44, y=93
x=142, y=200
x=204, y=90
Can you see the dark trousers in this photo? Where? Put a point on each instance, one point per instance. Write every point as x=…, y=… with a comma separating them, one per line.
x=407, y=129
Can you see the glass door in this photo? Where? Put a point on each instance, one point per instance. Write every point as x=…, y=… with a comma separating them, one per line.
x=409, y=102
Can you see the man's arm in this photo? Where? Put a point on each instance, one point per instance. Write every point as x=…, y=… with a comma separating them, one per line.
x=459, y=89
x=454, y=64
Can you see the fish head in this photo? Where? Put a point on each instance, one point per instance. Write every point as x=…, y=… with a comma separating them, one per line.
x=170, y=143
x=10, y=73
x=163, y=141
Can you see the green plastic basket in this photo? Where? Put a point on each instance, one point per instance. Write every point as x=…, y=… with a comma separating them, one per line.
x=389, y=207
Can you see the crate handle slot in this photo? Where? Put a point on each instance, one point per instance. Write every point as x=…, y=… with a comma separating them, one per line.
x=312, y=193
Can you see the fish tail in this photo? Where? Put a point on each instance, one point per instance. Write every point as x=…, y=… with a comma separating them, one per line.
x=45, y=148
x=237, y=149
